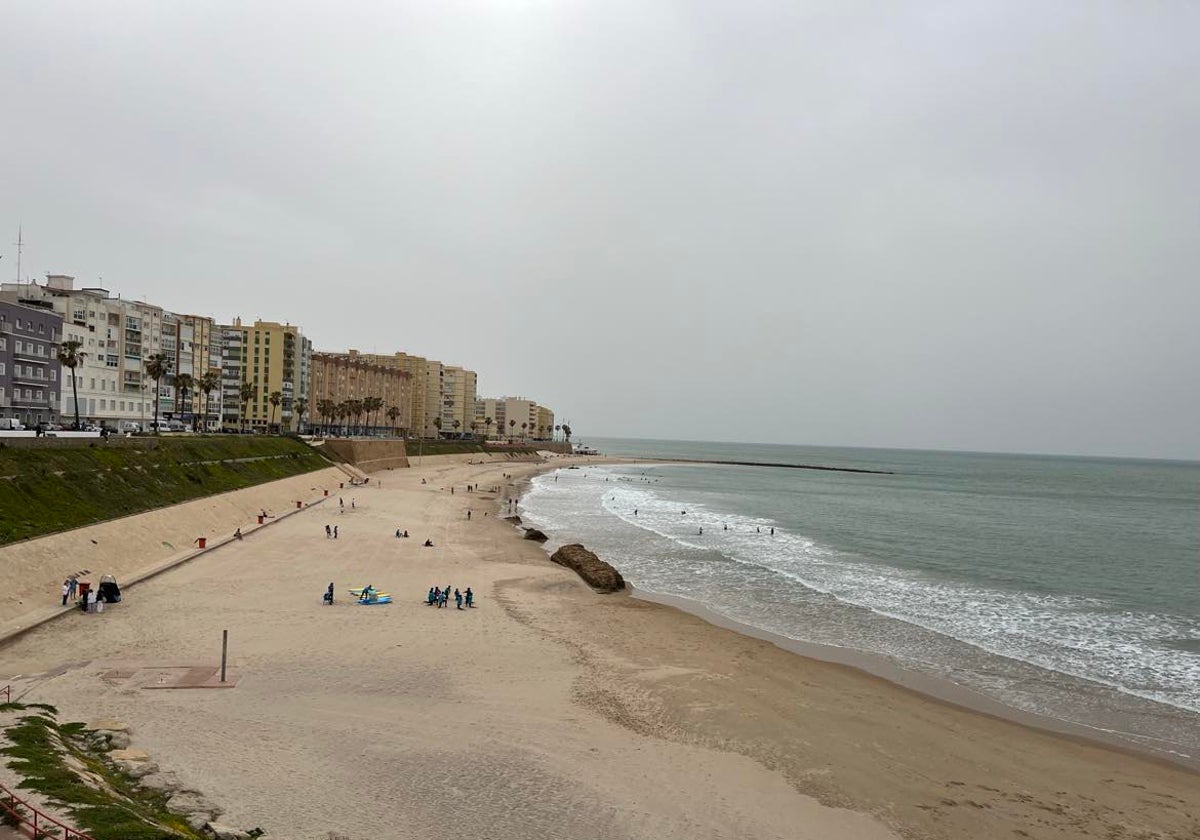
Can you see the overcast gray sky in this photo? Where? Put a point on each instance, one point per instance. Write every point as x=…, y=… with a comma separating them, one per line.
x=968, y=225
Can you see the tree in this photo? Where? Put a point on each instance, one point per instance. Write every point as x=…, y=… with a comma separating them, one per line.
x=247, y=392
x=541, y=431
x=558, y=428
x=511, y=425
x=474, y=426
x=326, y=409
x=274, y=398
x=566, y=432
x=457, y=423
x=487, y=422
x=157, y=366
x=301, y=407
x=392, y=414
x=437, y=422
x=70, y=357
x=183, y=384
x=209, y=382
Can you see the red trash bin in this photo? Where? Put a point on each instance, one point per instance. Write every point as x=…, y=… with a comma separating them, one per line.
x=299, y=504
x=260, y=520
x=84, y=588
x=202, y=542
x=326, y=492
x=341, y=484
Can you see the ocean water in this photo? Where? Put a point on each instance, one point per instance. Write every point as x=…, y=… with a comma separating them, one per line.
x=1065, y=587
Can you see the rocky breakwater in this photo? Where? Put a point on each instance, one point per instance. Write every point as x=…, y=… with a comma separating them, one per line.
x=595, y=572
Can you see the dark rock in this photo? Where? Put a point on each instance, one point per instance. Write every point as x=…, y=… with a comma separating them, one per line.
x=595, y=572
x=516, y=520
x=535, y=534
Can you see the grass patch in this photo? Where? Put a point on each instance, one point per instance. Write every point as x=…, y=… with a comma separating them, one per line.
x=52, y=759
x=45, y=491
x=459, y=447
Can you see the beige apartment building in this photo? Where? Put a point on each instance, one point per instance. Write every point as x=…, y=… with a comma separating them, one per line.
x=508, y=414
x=276, y=359
x=341, y=377
x=439, y=394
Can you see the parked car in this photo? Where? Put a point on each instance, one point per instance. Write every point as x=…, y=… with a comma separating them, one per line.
x=130, y=426
x=11, y=424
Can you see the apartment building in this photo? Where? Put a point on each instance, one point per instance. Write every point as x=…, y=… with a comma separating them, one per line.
x=457, y=399
x=342, y=377
x=30, y=373
x=276, y=359
x=115, y=336
x=508, y=414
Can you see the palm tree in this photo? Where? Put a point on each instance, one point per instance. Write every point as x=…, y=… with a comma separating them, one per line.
x=209, y=382
x=487, y=422
x=524, y=426
x=566, y=432
x=437, y=422
x=474, y=426
x=373, y=405
x=247, y=392
x=69, y=356
x=326, y=409
x=157, y=366
x=558, y=428
x=183, y=384
x=301, y=406
x=457, y=423
x=511, y=424
x=274, y=398
x=392, y=413
x=541, y=432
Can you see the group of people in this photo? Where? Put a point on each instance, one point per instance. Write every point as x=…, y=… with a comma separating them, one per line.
x=440, y=596
x=331, y=533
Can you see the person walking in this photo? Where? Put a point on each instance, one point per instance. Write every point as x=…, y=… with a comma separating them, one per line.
x=470, y=598
x=74, y=586
x=468, y=515
x=66, y=591
x=457, y=599
x=335, y=532
x=328, y=532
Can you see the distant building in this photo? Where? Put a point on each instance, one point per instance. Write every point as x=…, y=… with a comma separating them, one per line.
x=508, y=414
x=115, y=337
x=275, y=359
x=30, y=374
x=344, y=377
x=438, y=394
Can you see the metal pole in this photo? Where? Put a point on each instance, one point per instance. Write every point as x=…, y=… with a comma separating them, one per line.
x=224, y=651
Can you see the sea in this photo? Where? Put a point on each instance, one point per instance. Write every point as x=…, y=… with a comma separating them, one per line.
x=1063, y=588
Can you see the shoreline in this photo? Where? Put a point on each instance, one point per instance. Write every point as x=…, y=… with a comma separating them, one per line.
x=880, y=667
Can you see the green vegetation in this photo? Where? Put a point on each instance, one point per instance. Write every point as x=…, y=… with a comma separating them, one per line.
x=51, y=758
x=47, y=490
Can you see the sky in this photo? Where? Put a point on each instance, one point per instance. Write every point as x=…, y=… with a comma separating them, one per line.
x=948, y=225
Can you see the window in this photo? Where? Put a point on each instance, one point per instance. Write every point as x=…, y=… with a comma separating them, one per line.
x=53, y=375
x=41, y=329
x=19, y=347
x=1, y=368
x=28, y=394
x=3, y=343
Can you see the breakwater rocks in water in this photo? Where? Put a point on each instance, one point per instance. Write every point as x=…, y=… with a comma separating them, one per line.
x=535, y=535
x=594, y=571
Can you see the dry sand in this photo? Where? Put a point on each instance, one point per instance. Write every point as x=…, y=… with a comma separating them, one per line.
x=547, y=711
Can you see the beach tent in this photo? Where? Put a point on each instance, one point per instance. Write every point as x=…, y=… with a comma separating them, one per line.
x=108, y=591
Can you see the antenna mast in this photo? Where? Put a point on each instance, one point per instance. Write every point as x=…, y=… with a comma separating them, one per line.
x=20, y=243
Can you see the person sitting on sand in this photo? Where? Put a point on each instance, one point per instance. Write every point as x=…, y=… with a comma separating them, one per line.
x=405, y=534
x=397, y=533
x=431, y=597
x=328, y=596
x=429, y=543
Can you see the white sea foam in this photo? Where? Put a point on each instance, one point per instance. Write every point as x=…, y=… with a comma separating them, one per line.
x=1078, y=636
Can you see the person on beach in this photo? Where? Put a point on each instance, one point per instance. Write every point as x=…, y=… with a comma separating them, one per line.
x=701, y=533
x=468, y=515
x=237, y=535
x=772, y=530
x=397, y=533
x=635, y=511
x=352, y=502
x=66, y=591
x=429, y=543
x=445, y=597
x=328, y=596
x=335, y=532
x=470, y=597
x=74, y=580
x=457, y=599
x=431, y=597
x=328, y=532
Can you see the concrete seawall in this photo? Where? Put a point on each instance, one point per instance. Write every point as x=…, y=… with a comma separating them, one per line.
x=368, y=455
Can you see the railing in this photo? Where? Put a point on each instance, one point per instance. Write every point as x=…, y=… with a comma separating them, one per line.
x=38, y=823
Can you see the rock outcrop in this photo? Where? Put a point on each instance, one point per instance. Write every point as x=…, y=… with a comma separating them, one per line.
x=535, y=534
x=594, y=571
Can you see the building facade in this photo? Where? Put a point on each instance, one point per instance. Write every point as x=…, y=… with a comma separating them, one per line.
x=344, y=377
x=508, y=414
x=30, y=373
x=276, y=360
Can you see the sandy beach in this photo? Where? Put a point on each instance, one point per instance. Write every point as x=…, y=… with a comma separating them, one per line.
x=546, y=711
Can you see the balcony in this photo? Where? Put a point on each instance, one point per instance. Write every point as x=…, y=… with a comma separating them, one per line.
x=32, y=357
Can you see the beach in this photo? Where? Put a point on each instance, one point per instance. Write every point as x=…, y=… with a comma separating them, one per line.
x=547, y=710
